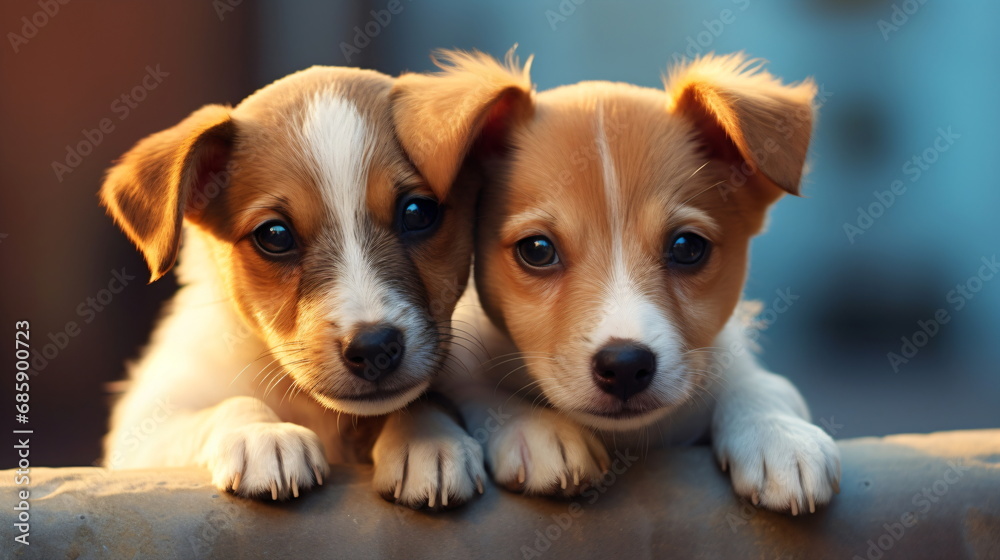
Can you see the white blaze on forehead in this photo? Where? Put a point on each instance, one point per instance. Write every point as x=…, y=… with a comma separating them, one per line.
x=628, y=313
x=612, y=189
x=341, y=144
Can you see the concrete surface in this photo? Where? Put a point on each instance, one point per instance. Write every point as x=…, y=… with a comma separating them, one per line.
x=906, y=496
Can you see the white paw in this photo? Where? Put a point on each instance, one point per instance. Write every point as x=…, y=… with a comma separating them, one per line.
x=267, y=459
x=542, y=452
x=424, y=458
x=782, y=462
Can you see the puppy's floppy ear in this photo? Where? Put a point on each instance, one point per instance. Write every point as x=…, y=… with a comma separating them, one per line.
x=149, y=190
x=439, y=117
x=746, y=115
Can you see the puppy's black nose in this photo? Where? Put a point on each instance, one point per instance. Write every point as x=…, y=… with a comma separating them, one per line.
x=374, y=352
x=624, y=368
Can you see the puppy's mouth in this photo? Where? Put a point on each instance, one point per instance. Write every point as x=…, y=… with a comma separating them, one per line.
x=623, y=413
x=379, y=394
x=374, y=403
x=623, y=417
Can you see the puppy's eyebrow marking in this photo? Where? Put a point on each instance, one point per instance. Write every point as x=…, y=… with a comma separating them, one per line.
x=683, y=215
x=530, y=216
x=270, y=201
x=406, y=179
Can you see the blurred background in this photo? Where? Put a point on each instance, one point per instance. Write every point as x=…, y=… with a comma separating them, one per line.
x=900, y=208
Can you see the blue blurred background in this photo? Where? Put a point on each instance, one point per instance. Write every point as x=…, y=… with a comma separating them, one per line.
x=908, y=92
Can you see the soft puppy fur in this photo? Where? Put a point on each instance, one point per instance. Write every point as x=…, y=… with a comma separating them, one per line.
x=322, y=250
x=612, y=247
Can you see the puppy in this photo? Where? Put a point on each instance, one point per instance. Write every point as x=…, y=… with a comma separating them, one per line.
x=611, y=251
x=323, y=252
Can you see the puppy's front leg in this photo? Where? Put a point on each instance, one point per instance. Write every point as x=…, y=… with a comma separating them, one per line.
x=761, y=433
x=251, y=452
x=424, y=457
x=244, y=444
x=532, y=449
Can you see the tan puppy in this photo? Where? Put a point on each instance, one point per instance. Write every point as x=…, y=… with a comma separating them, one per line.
x=612, y=247
x=320, y=266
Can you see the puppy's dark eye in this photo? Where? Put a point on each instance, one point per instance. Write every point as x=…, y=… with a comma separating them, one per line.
x=537, y=251
x=418, y=213
x=687, y=249
x=274, y=237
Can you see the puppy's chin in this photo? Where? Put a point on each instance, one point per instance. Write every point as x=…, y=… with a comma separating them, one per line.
x=608, y=413
x=376, y=403
x=624, y=421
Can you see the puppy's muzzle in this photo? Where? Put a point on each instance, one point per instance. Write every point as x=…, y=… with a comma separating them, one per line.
x=374, y=352
x=624, y=368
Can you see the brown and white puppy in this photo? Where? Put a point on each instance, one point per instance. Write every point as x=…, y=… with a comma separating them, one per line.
x=612, y=248
x=320, y=265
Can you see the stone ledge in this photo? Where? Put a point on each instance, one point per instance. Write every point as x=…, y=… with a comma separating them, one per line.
x=673, y=503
